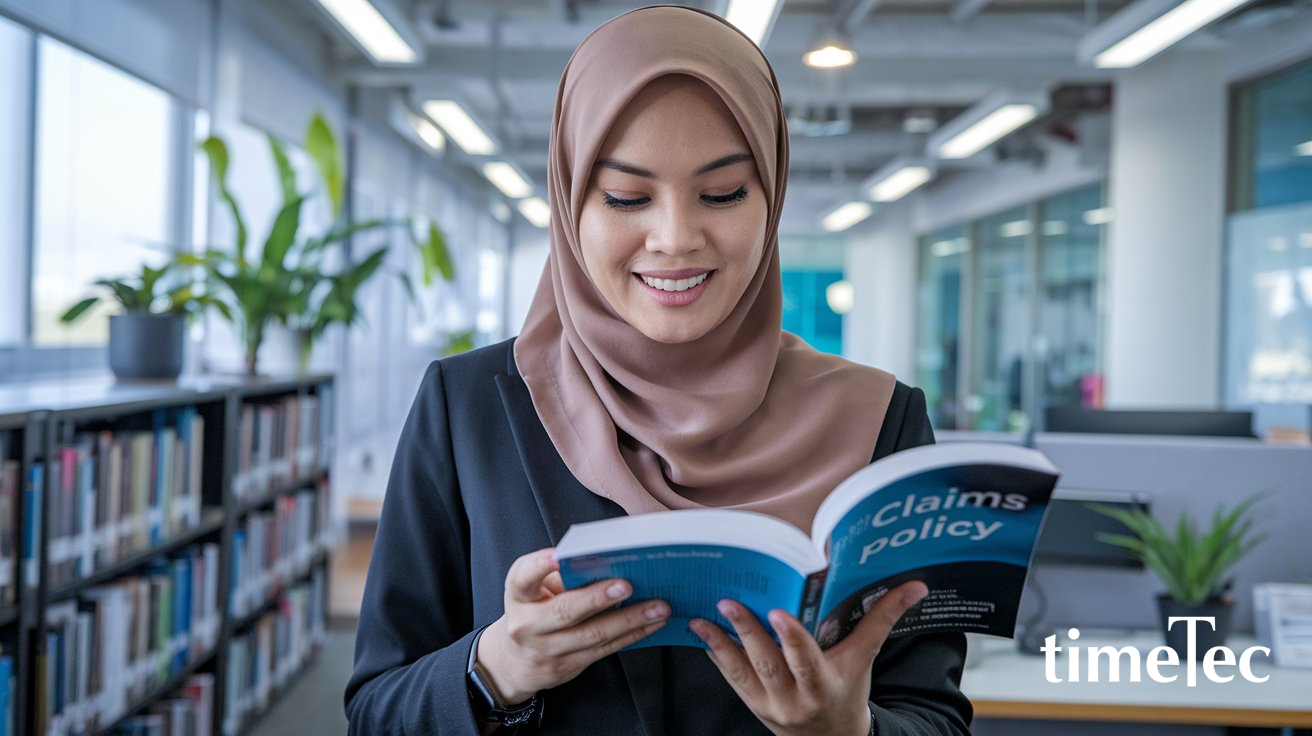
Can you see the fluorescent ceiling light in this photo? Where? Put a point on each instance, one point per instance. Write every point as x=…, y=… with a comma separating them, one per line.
x=898, y=180
x=1055, y=227
x=1163, y=32
x=945, y=248
x=753, y=17
x=846, y=216
x=989, y=130
x=1016, y=229
x=379, y=38
x=428, y=133
x=829, y=57
x=1100, y=216
x=460, y=126
x=507, y=179
x=1304, y=149
x=536, y=211
x=1305, y=240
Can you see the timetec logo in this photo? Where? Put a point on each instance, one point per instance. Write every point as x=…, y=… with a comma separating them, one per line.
x=1158, y=658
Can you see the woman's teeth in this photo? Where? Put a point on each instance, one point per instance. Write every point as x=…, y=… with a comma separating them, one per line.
x=672, y=285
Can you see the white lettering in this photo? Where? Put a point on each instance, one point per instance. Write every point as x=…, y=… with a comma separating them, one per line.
x=1210, y=663
x=1246, y=668
x=1154, y=662
x=1050, y=651
x=1191, y=623
x=1114, y=658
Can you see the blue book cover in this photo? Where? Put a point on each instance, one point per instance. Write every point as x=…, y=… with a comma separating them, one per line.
x=32, y=540
x=6, y=685
x=961, y=517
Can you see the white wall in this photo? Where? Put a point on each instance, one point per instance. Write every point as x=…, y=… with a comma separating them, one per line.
x=881, y=265
x=528, y=256
x=1167, y=193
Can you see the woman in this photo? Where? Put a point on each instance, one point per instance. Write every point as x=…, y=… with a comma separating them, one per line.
x=651, y=374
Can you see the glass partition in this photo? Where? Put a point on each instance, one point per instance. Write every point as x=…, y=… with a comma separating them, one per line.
x=943, y=256
x=1069, y=355
x=1001, y=322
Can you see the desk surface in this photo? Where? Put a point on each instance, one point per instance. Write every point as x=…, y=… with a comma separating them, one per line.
x=1002, y=683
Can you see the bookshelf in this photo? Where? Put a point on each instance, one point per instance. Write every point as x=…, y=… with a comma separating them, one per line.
x=164, y=551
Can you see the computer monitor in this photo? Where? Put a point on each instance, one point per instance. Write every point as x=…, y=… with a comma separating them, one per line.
x=1169, y=422
x=1070, y=530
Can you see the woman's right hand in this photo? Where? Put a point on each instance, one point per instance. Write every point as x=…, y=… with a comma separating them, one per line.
x=548, y=635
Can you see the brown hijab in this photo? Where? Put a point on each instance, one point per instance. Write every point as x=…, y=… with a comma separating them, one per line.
x=747, y=416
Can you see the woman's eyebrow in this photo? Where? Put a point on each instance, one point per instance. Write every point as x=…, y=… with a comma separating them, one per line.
x=721, y=162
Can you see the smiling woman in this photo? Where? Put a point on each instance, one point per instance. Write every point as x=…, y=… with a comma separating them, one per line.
x=652, y=373
x=670, y=240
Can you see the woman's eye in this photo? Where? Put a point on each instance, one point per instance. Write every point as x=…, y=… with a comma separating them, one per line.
x=620, y=204
x=735, y=196
x=719, y=199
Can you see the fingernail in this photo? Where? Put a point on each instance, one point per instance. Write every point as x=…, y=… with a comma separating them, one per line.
x=617, y=591
x=778, y=621
x=727, y=610
x=916, y=596
x=655, y=611
x=698, y=628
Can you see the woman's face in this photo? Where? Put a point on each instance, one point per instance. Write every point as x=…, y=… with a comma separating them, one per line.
x=674, y=219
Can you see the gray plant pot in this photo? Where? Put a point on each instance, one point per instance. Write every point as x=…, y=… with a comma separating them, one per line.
x=146, y=347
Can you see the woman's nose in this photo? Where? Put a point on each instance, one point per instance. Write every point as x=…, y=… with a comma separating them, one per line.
x=675, y=230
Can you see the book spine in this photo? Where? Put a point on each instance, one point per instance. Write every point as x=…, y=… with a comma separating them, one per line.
x=812, y=591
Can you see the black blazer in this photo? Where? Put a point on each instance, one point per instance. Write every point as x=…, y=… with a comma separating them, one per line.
x=475, y=483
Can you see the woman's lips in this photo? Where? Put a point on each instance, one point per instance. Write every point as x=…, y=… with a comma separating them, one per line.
x=676, y=298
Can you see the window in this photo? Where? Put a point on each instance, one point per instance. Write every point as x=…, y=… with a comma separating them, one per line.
x=1001, y=310
x=15, y=78
x=1070, y=300
x=1274, y=140
x=809, y=266
x=104, y=185
x=1268, y=336
x=943, y=258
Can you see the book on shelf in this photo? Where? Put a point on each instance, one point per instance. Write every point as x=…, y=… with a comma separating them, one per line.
x=279, y=443
x=271, y=548
x=7, y=692
x=961, y=517
x=11, y=479
x=106, y=649
x=120, y=492
x=264, y=657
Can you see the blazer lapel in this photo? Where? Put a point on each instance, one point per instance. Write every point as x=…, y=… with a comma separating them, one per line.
x=562, y=500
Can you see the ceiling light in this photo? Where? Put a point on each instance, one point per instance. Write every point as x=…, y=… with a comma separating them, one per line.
x=536, y=211
x=840, y=296
x=508, y=179
x=1305, y=240
x=1304, y=149
x=375, y=34
x=1100, y=216
x=1016, y=229
x=1055, y=227
x=897, y=180
x=754, y=18
x=458, y=124
x=428, y=133
x=987, y=122
x=1146, y=28
x=846, y=216
x=830, y=56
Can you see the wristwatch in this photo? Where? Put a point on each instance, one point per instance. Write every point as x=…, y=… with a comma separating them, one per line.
x=488, y=708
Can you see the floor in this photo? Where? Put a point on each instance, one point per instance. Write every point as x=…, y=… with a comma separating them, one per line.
x=313, y=704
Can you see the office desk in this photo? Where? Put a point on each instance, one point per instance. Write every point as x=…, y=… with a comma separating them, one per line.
x=1002, y=683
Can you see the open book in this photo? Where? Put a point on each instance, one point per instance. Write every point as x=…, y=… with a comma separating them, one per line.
x=962, y=517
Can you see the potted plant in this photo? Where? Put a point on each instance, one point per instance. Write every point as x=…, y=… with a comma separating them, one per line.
x=289, y=284
x=146, y=339
x=1194, y=562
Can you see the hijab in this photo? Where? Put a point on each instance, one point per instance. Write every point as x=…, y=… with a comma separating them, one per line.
x=747, y=416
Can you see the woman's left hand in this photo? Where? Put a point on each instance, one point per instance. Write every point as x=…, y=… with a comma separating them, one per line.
x=799, y=689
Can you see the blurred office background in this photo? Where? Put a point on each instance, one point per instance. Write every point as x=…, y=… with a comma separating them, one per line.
x=996, y=200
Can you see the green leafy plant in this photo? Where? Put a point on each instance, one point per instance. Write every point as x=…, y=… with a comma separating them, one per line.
x=288, y=283
x=149, y=292
x=1192, y=561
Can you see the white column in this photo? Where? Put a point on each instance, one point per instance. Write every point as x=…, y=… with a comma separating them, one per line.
x=1167, y=193
x=881, y=265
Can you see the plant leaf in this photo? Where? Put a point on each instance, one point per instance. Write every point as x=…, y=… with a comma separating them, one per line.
x=321, y=145
x=77, y=310
x=217, y=153
x=286, y=174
